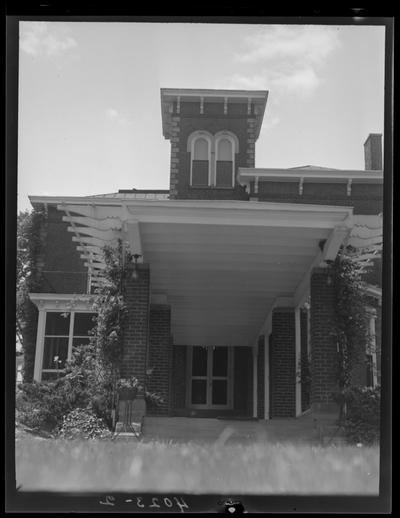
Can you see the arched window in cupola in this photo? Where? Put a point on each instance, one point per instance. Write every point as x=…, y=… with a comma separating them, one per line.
x=226, y=146
x=200, y=147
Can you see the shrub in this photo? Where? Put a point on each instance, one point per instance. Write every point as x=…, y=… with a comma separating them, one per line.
x=43, y=405
x=362, y=419
x=40, y=406
x=83, y=424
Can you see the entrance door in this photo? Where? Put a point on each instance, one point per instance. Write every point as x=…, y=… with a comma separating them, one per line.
x=210, y=377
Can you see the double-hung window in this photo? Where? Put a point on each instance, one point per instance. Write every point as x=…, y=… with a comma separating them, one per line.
x=212, y=159
x=200, y=163
x=63, y=332
x=224, y=163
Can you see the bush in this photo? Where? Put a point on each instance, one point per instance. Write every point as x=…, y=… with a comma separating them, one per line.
x=362, y=421
x=83, y=424
x=40, y=406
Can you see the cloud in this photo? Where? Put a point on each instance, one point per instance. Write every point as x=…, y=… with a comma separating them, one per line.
x=111, y=113
x=287, y=58
x=114, y=115
x=308, y=43
x=44, y=39
x=270, y=122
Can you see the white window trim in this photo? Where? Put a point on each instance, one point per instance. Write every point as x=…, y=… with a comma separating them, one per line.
x=225, y=135
x=57, y=303
x=212, y=152
x=193, y=138
x=209, y=377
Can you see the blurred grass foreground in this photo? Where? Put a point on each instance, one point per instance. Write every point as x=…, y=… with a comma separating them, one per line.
x=156, y=466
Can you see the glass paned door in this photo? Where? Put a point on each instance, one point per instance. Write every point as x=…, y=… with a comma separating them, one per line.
x=210, y=381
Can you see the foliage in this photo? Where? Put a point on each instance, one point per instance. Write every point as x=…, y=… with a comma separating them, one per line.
x=304, y=377
x=133, y=383
x=81, y=423
x=111, y=309
x=43, y=405
x=89, y=380
x=304, y=371
x=362, y=422
x=351, y=319
x=40, y=406
x=30, y=246
x=358, y=406
x=127, y=383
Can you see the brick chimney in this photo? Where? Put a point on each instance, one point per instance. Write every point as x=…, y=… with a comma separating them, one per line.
x=373, y=152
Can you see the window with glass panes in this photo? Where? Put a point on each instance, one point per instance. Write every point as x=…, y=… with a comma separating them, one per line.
x=224, y=163
x=63, y=331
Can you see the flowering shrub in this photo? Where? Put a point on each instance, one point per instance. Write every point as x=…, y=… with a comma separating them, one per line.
x=83, y=424
x=128, y=383
x=362, y=419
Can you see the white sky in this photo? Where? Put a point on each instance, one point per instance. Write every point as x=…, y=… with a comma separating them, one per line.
x=89, y=96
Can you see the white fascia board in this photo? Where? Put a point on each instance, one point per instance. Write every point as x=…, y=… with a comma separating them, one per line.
x=63, y=301
x=199, y=92
x=321, y=175
x=209, y=211
x=334, y=242
x=70, y=201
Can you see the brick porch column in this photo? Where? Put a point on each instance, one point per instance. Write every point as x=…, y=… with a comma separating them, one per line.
x=137, y=299
x=283, y=363
x=323, y=343
x=136, y=332
x=160, y=357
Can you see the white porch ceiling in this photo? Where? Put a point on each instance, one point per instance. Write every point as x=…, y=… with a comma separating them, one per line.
x=221, y=265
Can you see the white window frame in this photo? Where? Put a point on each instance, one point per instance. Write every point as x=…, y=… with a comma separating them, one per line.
x=225, y=135
x=209, y=378
x=212, y=153
x=192, y=141
x=57, y=303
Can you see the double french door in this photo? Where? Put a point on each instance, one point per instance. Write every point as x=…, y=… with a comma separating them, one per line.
x=210, y=377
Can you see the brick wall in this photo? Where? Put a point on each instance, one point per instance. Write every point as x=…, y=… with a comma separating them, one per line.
x=243, y=381
x=137, y=299
x=178, y=384
x=378, y=337
x=63, y=269
x=212, y=120
x=283, y=364
x=365, y=198
x=160, y=357
x=323, y=342
x=260, y=379
x=305, y=396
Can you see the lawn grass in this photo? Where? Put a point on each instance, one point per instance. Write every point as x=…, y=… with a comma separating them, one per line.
x=156, y=466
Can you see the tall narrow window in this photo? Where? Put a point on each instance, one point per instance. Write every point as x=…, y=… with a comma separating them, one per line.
x=200, y=162
x=56, y=341
x=224, y=163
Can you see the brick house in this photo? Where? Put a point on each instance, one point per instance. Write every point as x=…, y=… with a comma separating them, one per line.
x=233, y=283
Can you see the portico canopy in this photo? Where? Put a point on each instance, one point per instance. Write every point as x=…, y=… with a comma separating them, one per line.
x=221, y=265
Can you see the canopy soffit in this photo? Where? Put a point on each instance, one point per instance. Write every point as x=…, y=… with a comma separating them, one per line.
x=221, y=265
